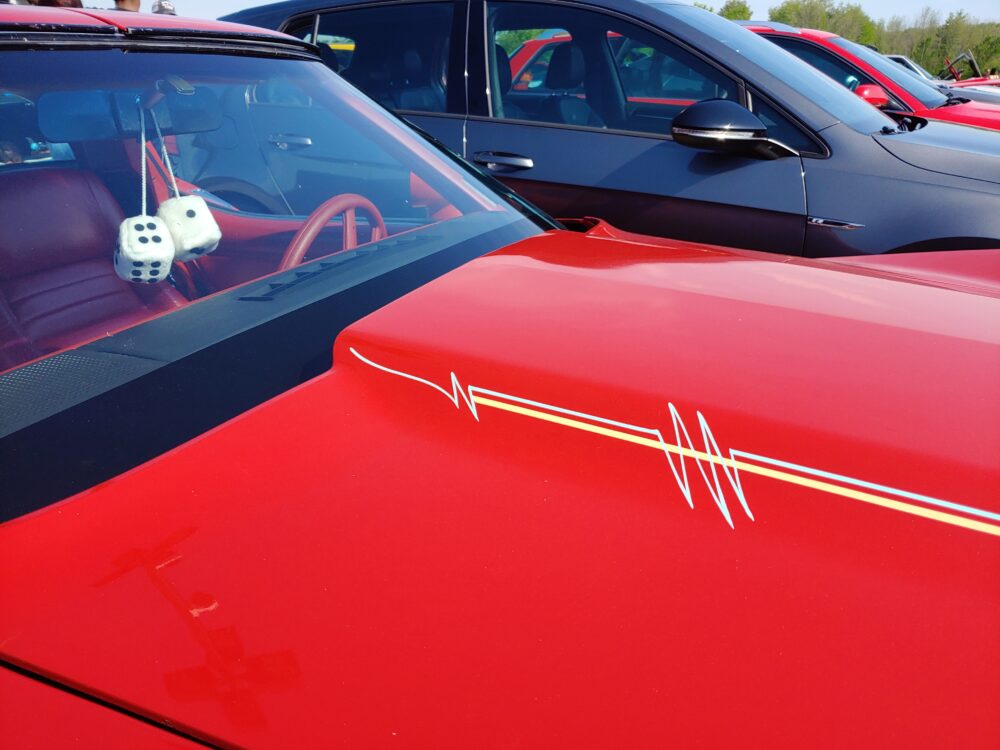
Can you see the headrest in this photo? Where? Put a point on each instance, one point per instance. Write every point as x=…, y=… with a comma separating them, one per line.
x=413, y=65
x=566, y=68
x=503, y=69
x=329, y=57
x=51, y=217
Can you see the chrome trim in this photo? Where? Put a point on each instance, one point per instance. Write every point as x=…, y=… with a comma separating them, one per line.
x=834, y=223
x=721, y=135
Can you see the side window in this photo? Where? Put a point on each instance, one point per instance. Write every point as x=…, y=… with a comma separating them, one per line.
x=538, y=51
x=576, y=67
x=341, y=50
x=21, y=142
x=660, y=79
x=397, y=54
x=780, y=128
x=839, y=70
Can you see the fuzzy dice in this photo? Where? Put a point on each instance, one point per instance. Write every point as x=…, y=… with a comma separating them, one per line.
x=145, y=250
x=191, y=226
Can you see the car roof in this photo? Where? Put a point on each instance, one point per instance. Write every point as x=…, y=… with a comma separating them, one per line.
x=46, y=19
x=273, y=14
x=784, y=28
x=768, y=26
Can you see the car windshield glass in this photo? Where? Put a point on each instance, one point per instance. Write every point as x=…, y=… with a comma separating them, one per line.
x=805, y=79
x=929, y=96
x=250, y=166
x=919, y=69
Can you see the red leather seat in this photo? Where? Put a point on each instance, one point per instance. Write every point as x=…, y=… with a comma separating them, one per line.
x=58, y=287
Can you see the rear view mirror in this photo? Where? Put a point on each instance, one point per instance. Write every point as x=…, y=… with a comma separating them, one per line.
x=195, y=110
x=873, y=94
x=725, y=126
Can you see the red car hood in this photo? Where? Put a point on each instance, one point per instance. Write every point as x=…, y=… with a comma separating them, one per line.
x=977, y=114
x=973, y=271
x=583, y=492
x=975, y=82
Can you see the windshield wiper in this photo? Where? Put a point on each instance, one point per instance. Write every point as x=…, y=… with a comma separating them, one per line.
x=953, y=100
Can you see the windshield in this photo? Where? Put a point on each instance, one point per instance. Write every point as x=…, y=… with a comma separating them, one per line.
x=909, y=64
x=929, y=96
x=230, y=168
x=805, y=79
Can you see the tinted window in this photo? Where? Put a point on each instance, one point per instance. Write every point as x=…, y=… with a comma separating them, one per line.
x=582, y=68
x=20, y=140
x=397, y=54
x=532, y=77
x=836, y=67
x=928, y=95
x=805, y=79
x=655, y=72
x=780, y=128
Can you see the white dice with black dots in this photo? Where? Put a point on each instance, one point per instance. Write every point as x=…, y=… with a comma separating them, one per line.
x=145, y=250
x=192, y=226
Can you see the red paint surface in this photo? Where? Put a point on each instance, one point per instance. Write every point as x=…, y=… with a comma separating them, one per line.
x=978, y=114
x=975, y=82
x=121, y=20
x=359, y=563
x=35, y=716
x=18, y=14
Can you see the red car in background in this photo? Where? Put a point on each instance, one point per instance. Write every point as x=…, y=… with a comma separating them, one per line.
x=875, y=77
x=398, y=461
x=973, y=83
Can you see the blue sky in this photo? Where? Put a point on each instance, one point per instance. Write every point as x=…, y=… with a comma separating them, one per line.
x=986, y=10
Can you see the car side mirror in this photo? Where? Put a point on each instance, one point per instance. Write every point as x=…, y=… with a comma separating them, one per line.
x=725, y=126
x=873, y=94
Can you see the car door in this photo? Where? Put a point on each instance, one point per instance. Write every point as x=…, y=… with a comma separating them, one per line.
x=407, y=56
x=580, y=125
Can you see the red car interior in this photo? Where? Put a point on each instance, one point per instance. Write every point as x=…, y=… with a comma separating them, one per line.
x=59, y=289
x=57, y=284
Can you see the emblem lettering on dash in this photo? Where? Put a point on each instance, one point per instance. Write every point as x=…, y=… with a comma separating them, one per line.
x=720, y=471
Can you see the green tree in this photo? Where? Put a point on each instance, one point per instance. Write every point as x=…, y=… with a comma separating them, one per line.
x=987, y=52
x=809, y=14
x=736, y=10
x=703, y=6
x=851, y=22
x=511, y=40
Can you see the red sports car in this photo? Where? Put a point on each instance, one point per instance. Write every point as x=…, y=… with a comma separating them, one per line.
x=381, y=457
x=989, y=83
x=876, y=78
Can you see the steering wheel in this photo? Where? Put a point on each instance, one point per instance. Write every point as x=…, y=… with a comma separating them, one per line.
x=346, y=204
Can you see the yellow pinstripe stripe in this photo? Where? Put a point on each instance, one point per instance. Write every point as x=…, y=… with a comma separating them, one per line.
x=781, y=476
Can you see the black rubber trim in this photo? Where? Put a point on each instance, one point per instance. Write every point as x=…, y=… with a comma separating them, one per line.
x=77, y=693
x=158, y=39
x=73, y=28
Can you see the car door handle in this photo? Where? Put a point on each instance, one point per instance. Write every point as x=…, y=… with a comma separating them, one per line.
x=499, y=161
x=285, y=142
